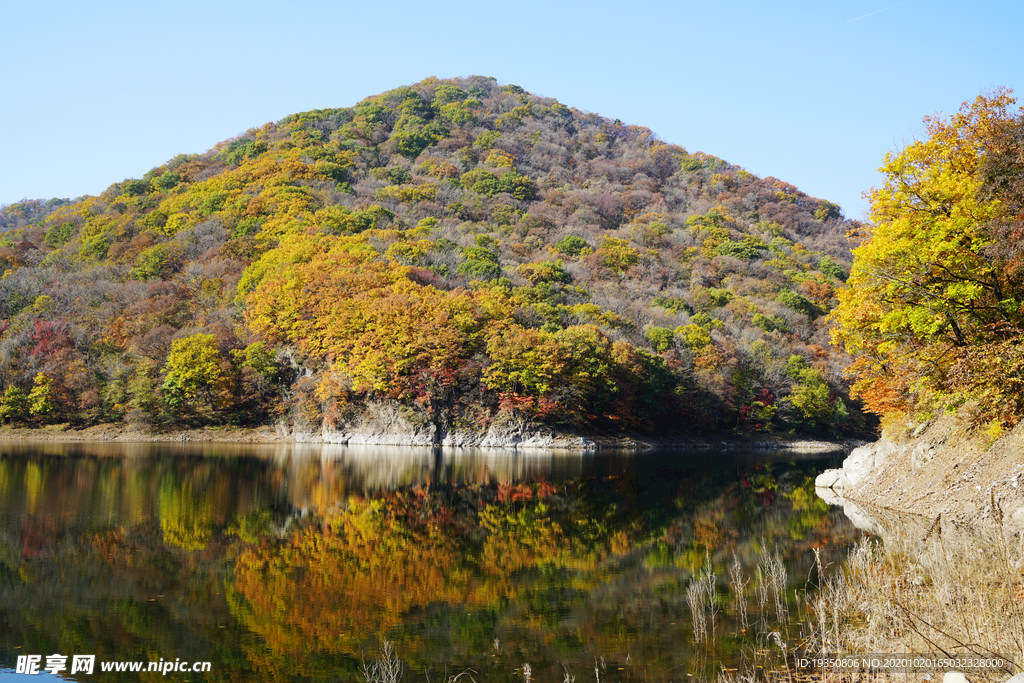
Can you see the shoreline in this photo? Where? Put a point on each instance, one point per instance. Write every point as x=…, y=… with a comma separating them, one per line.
x=113, y=432
x=943, y=471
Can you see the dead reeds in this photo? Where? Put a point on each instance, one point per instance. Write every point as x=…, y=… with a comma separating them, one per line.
x=932, y=587
x=385, y=669
x=702, y=597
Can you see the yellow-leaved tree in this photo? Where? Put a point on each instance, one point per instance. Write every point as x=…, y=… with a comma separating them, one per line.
x=932, y=310
x=354, y=310
x=193, y=371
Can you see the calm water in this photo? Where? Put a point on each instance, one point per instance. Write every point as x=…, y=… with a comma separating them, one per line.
x=283, y=563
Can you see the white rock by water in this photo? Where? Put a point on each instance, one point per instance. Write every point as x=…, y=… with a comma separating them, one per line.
x=832, y=479
x=860, y=463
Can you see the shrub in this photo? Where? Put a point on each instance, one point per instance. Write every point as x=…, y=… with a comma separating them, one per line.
x=571, y=245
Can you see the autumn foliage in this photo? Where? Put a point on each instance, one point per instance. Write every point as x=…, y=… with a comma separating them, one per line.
x=934, y=306
x=464, y=250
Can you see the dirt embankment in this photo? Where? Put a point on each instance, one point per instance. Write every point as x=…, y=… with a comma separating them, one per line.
x=123, y=432
x=941, y=468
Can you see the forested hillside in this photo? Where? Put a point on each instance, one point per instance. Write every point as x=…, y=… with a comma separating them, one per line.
x=466, y=250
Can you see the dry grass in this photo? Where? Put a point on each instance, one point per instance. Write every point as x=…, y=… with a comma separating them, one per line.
x=932, y=587
x=702, y=598
x=738, y=583
x=385, y=669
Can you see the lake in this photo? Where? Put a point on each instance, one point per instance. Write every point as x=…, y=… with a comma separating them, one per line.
x=296, y=562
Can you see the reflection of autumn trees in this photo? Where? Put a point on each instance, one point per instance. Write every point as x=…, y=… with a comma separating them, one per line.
x=185, y=496
x=366, y=569
x=329, y=586
x=186, y=519
x=128, y=556
x=119, y=594
x=745, y=517
x=536, y=558
x=809, y=511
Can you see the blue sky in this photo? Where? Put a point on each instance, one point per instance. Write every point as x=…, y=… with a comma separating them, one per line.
x=811, y=92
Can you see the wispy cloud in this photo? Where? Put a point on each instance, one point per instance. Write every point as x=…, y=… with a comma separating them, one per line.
x=871, y=14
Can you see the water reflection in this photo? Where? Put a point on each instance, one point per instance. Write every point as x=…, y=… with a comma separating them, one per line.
x=278, y=562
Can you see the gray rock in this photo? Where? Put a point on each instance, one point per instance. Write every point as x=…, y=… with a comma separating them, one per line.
x=517, y=433
x=954, y=677
x=832, y=479
x=387, y=424
x=1019, y=678
x=853, y=512
x=859, y=518
x=382, y=424
x=462, y=439
x=829, y=495
x=859, y=465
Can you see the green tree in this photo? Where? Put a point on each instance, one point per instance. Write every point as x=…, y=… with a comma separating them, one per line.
x=571, y=245
x=827, y=211
x=144, y=400
x=480, y=264
x=193, y=370
x=747, y=249
x=134, y=187
x=446, y=93
x=798, y=302
x=660, y=337
x=481, y=181
x=812, y=399
x=167, y=181
x=261, y=359
x=617, y=254
x=517, y=185
x=14, y=406
x=57, y=235
x=831, y=268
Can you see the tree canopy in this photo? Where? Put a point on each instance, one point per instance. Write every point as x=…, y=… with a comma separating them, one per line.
x=934, y=305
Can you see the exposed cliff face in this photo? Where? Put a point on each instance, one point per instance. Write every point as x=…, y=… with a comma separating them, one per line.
x=940, y=469
x=390, y=424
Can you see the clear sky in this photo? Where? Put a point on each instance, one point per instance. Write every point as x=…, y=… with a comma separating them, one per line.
x=813, y=92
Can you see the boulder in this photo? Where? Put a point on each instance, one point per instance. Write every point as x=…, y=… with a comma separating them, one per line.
x=832, y=479
x=862, y=461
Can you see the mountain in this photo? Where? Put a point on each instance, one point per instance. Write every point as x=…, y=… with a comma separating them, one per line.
x=460, y=253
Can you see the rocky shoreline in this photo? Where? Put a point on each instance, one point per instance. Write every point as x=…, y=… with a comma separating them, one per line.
x=389, y=428
x=939, y=468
